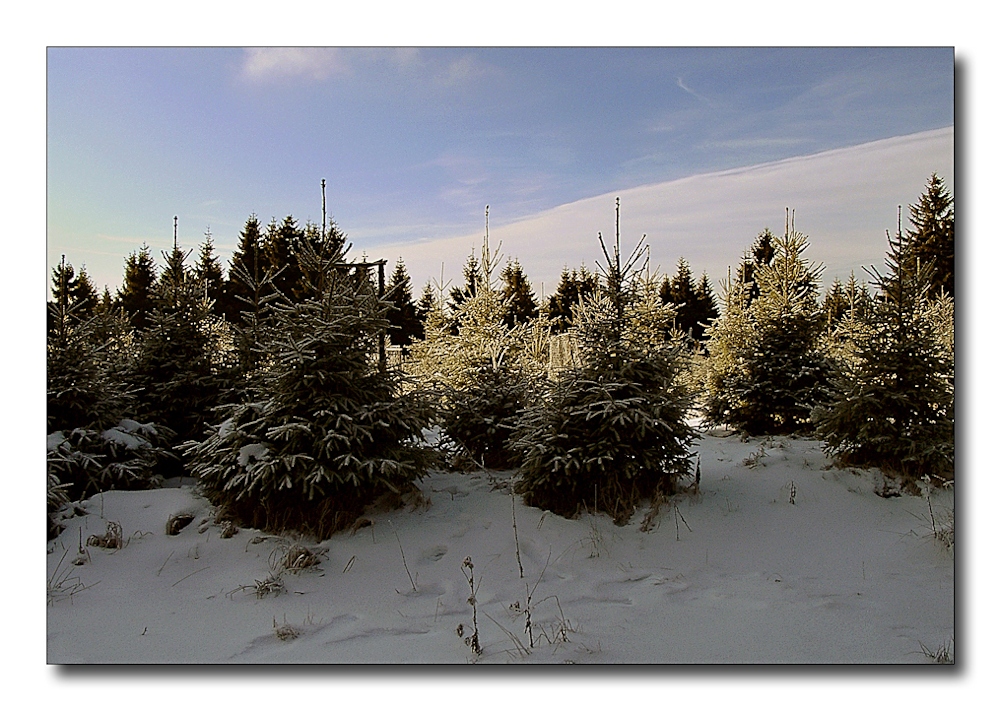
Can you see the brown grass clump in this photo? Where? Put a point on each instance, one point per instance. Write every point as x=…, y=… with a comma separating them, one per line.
x=298, y=558
x=111, y=539
x=179, y=521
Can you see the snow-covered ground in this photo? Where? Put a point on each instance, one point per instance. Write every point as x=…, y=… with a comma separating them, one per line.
x=778, y=558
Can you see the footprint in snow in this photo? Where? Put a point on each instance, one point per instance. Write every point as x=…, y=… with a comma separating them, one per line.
x=433, y=553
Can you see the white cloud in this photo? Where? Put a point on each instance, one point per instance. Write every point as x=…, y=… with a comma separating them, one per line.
x=685, y=87
x=843, y=199
x=275, y=63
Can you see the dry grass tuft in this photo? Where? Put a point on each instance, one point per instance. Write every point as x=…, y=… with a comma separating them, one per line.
x=285, y=632
x=178, y=521
x=111, y=539
x=294, y=558
x=944, y=655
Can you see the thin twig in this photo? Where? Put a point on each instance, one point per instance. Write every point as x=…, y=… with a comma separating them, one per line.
x=393, y=527
x=189, y=576
x=513, y=516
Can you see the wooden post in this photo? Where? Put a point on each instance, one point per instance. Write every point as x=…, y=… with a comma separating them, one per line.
x=381, y=337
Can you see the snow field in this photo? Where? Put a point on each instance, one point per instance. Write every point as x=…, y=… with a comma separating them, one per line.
x=743, y=571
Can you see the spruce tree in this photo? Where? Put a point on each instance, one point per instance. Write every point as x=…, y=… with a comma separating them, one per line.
x=83, y=292
x=482, y=372
x=208, y=272
x=730, y=338
x=91, y=445
x=323, y=431
x=612, y=431
x=893, y=403
x=281, y=244
x=932, y=238
x=248, y=259
x=704, y=309
x=76, y=295
x=473, y=276
x=760, y=254
x=769, y=371
x=694, y=304
x=404, y=324
x=835, y=305
x=574, y=287
x=428, y=301
x=136, y=294
x=522, y=307
x=174, y=368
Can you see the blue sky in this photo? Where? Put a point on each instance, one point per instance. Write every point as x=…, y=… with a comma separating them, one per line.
x=414, y=143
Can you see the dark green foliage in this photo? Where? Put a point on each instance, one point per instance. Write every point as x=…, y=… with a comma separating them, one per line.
x=482, y=376
x=85, y=461
x=208, y=273
x=322, y=432
x=480, y=416
x=694, y=304
x=90, y=446
x=574, y=286
x=80, y=394
x=932, y=239
x=893, y=402
x=247, y=265
x=404, y=324
x=845, y=302
x=281, y=244
x=760, y=254
x=472, y=272
x=73, y=291
x=424, y=306
x=766, y=371
x=136, y=294
x=521, y=305
x=612, y=431
x=174, y=368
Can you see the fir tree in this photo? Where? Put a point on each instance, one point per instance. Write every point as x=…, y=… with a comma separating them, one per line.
x=610, y=432
x=208, y=272
x=281, y=244
x=483, y=374
x=404, y=324
x=91, y=446
x=835, y=304
x=694, y=304
x=136, y=294
x=247, y=259
x=760, y=254
x=932, y=238
x=704, y=310
x=893, y=404
x=521, y=305
x=574, y=287
x=769, y=372
x=174, y=364
x=72, y=293
x=83, y=292
x=324, y=431
x=428, y=301
x=473, y=275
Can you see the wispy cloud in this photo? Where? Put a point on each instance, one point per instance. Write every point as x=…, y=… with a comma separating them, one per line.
x=463, y=70
x=685, y=87
x=267, y=64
